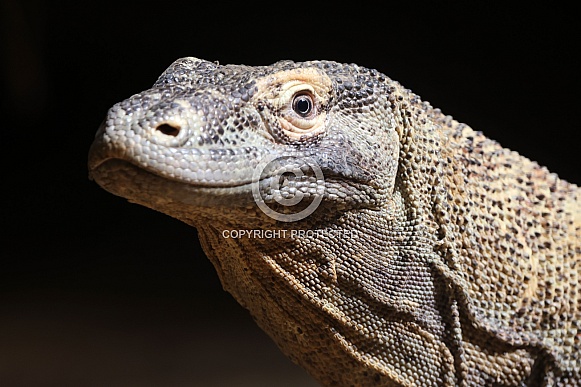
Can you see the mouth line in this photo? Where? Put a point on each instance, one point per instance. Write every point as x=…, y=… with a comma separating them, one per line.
x=121, y=163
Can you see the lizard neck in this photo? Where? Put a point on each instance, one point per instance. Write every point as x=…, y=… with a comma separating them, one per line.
x=361, y=279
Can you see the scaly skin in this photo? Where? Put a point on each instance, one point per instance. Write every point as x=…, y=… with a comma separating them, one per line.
x=434, y=256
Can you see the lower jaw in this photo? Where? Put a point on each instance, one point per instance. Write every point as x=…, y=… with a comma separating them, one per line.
x=124, y=179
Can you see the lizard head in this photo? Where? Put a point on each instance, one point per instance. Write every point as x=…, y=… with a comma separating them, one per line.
x=233, y=136
x=236, y=147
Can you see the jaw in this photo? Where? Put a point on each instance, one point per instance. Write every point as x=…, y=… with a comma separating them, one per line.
x=248, y=201
x=198, y=205
x=207, y=189
x=184, y=183
x=181, y=200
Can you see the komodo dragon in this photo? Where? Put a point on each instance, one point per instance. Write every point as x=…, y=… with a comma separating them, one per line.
x=432, y=256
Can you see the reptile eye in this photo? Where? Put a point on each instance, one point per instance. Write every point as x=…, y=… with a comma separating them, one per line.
x=300, y=100
x=303, y=104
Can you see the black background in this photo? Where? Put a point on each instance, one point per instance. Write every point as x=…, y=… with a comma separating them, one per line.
x=95, y=291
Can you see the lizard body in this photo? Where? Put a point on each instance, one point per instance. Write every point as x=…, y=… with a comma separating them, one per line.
x=433, y=257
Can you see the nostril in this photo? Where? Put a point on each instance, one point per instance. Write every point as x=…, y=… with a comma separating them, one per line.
x=169, y=130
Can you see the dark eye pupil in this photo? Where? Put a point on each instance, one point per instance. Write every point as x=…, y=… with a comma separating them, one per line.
x=303, y=105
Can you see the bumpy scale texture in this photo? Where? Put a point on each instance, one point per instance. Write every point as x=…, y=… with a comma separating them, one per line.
x=435, y=256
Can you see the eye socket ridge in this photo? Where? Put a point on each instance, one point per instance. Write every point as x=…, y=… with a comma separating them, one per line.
x=303, y=104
